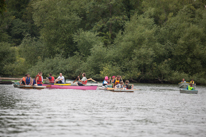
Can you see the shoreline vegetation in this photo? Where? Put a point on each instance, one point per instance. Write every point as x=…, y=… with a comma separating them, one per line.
x=144, y=41
x=98, y=80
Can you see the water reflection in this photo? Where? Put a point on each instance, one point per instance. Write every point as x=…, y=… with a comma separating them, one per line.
x=155, y=110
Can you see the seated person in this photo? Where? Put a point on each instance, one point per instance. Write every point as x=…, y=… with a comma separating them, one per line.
x=183, y=80
x=120, y=85
x=117, y=81
x=128, y=86
x=29, y=80
x=60, y=79
x=189, y=87
x=23, y=80
x=192, y=81
x=38, y=79
x=51, y=79
x=105, y=82
x=83, y=81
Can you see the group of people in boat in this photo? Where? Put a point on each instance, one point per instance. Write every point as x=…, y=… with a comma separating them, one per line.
x=38, y=80
x=190, y=86
x=116, y=82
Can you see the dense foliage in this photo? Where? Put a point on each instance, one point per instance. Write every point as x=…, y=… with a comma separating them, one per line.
x=142, y=40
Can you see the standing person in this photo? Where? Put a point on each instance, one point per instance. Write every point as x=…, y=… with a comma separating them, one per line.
x=51, y=79
x=60, y=79
x=117, y=81
x=23, y=80
x=29, y=80
x=39, y=79
x=83, y=81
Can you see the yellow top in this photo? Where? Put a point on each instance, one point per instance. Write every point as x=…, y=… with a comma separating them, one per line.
x=192, y=82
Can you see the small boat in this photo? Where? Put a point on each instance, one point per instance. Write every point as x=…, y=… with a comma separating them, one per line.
x=6, y=82
x=30, y=87
x=188, y=91
x=71, y=87
x=123, y=90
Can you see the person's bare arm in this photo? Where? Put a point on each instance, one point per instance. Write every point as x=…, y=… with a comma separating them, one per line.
x=20, y=81
x=37, y=78
x=31, y=81
x=79, y=79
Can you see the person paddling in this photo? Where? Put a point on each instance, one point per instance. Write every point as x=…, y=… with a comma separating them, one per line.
x=39, y=79
x=83, y=81
x=23, y=80
x=51, y=79
x=60, y=79
x=29, y=80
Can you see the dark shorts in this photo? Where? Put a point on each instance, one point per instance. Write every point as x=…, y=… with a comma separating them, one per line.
x=23, y=83
x=80, y=84
x=39, y=84
x=51, y=83
x=60, y=82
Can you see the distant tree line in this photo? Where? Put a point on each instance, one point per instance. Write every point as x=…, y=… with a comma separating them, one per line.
x=141, y=40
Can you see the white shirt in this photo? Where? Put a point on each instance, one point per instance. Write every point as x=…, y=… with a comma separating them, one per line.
x=62, y=77
x=105, y=82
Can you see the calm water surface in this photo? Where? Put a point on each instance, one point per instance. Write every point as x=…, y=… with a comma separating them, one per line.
x=155, y=110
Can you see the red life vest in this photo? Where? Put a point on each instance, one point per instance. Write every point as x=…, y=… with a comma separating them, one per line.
x=51, y=80
x=84, y=82
x=39, y=81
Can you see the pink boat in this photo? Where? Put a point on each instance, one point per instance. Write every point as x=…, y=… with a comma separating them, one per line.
x=70, y=87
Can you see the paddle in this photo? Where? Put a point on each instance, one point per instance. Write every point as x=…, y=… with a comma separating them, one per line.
x=77, y=78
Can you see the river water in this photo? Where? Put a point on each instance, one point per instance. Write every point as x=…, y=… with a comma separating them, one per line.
x=155, y=110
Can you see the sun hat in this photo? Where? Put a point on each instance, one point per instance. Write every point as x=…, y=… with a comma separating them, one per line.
x=113, y=76
x=106, y=78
